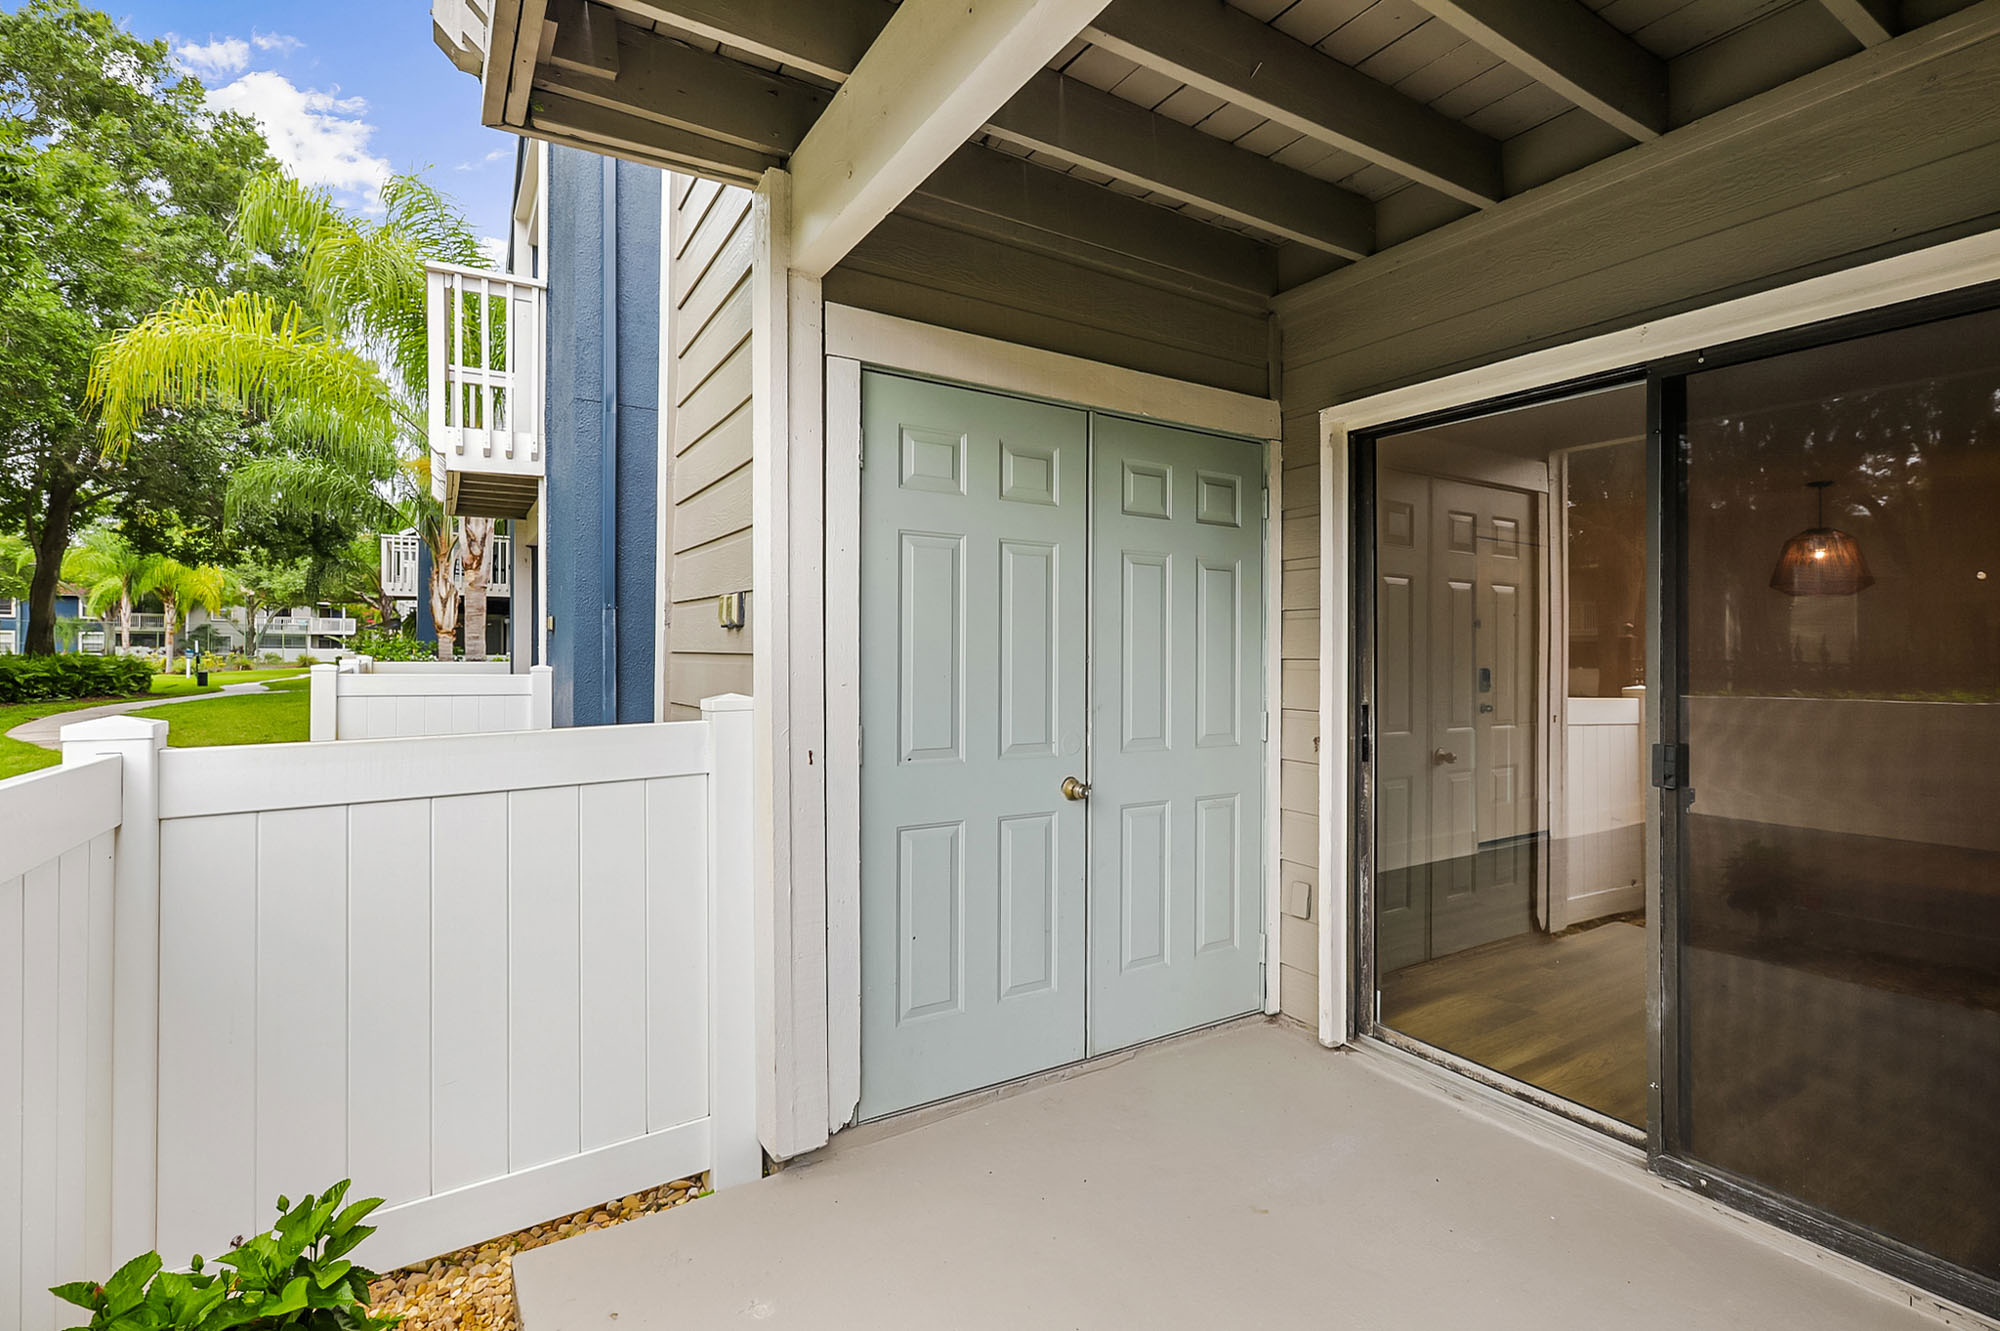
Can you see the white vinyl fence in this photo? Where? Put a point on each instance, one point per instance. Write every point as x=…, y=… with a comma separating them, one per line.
x=492, y=978
x=56, y=863
x=364, y=699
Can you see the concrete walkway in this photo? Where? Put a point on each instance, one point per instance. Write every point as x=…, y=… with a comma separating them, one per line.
x=1243, y=1178
x=47, y=730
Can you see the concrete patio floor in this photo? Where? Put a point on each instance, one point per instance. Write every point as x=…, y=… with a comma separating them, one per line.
x=1241, y=1177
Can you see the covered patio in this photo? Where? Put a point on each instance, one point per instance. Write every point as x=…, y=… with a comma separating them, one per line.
x=1237, y=1176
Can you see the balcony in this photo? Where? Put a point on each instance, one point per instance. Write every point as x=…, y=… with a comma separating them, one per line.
x=486, y=369
x=401, y=556
x=336, y=626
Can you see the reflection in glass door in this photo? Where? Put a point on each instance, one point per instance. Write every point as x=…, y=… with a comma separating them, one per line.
x=1508, y=781
x=1839, y=975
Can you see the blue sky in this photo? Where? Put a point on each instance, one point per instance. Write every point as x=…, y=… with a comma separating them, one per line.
x=347, y=91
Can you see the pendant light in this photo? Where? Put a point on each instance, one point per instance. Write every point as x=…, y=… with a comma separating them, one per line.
x=1821, y=561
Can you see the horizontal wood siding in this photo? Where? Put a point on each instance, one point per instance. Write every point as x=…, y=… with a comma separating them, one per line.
x=1886, y=152
x=710, y=244
x=920, y=269
x=1298, y=729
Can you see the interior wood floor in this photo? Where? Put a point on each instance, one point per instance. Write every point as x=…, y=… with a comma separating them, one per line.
x=1567, y=1014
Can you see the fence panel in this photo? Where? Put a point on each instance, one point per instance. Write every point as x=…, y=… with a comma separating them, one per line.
x=56, y=866
x=374, y=701
x=470, y=972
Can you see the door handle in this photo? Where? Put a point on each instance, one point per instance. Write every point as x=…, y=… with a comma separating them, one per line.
x=1074, y=789
x=1443, y=757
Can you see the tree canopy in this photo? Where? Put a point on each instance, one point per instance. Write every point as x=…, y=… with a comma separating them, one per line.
x=118, y=190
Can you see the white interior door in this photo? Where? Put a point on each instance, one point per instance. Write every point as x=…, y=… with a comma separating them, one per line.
x=1456, y=809
x=972, y=710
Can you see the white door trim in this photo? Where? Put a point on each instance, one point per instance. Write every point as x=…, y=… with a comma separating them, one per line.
x=1007, y=367
x=1949, y=267
x=856, y=338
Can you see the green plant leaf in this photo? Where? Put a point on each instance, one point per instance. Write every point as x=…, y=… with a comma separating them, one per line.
x=82, y=1293
x=127, y=1285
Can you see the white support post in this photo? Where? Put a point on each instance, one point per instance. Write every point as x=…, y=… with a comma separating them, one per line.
x=787, y=412
x=324, y=709
x=541, y=697
x=736, y=1073
x=135, y=952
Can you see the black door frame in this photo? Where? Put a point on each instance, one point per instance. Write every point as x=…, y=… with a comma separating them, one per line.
x=1667, y=1132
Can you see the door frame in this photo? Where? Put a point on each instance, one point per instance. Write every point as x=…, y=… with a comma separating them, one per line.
x=854, y=339
x=1956, y=277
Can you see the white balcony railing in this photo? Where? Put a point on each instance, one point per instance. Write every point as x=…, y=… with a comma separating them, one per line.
x=486, y=370
x=400, y=557
x=500, y=567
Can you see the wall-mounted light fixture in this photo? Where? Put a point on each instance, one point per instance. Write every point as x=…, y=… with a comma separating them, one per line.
x=1821, y=561
x=729, y=609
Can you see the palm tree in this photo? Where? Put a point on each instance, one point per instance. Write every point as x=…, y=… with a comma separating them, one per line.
x=181, y=587
x=113, y=572
x=344, y=378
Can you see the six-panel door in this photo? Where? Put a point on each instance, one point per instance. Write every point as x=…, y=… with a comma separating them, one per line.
x=972, y=710
x=986, y=527
x=1177, y=731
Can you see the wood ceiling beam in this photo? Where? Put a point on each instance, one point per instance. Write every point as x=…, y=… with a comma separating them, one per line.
x=1571, y=50
x=1871, y=21
x=670, y=83
x=934, y=75
x=825, y=38
x=563, y=119
x=586, y=38
x=1229, y=54
x=1079, y=124
x=1009, y=198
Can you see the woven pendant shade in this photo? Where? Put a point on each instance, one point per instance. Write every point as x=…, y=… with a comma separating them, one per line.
x=1821, y=561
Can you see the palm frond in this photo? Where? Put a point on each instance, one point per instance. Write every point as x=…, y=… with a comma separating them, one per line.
x=295, y=482
x=242, y=350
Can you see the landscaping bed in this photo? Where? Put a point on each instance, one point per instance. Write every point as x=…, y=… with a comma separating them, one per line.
x=473, y=1289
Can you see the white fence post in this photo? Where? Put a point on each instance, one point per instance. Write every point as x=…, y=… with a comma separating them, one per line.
x=542, y=697
x=324, y=710
x=738, y=1157
x=135, y=951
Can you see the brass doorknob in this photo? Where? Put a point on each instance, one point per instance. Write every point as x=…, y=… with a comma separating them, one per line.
x=1074, y=789
x=1443, y=757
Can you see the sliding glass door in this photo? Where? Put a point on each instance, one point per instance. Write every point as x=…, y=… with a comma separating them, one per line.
x=1839, y=967
x=1508, y=594
x=1767, y=937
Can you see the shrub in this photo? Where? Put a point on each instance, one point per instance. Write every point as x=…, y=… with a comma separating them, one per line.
x=393, y=647
x=297, y=1275
x=52, y=678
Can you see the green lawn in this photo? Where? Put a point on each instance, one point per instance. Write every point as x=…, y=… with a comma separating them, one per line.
x=17, y=757
x=277, y=717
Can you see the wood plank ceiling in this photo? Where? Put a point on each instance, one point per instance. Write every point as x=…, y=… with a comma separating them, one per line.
x=1253, y=143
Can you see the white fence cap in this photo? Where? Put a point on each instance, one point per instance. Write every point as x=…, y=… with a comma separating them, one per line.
x=115, y=728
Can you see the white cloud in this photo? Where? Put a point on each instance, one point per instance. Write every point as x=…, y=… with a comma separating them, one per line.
x=495, y=250
x=486, y=161
x=214, y=58
x=275, y=41
x=320, y=137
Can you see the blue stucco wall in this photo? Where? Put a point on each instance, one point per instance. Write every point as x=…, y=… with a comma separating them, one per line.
x=577, y=593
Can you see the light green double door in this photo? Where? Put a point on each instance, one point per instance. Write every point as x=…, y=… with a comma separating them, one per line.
x=1049, y=598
